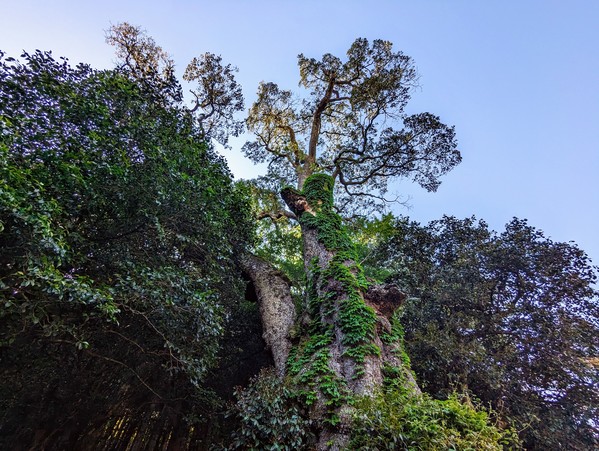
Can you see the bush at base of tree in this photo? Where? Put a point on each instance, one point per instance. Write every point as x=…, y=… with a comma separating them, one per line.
x=396, y=420
x=268, y=417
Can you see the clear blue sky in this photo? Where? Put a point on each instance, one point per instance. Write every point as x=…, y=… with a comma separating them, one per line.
x=519, y=80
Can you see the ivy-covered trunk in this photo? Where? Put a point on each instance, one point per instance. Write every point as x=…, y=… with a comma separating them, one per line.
x=347, y=342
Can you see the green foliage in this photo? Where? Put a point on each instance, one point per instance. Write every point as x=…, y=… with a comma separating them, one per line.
x=309, y=369
x=279, y=240
x=112, y=206
x=269, y=417
x=366, y=235
x=309, y=362
x=356, y=320
x=396, y=420
x=350, y=123
x=511, y=317
x=397, y=336
x=318, y=190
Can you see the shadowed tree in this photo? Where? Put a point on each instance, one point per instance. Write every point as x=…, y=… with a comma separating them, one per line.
x=116, y=285
x=513, y=317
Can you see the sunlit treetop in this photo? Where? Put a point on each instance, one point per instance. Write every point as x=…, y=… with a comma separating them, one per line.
x=349, y=121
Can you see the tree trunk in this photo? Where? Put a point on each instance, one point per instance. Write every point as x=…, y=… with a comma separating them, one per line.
x=277, y=310
x=348, y=345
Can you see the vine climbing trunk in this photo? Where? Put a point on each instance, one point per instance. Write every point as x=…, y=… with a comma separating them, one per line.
x=347, y=344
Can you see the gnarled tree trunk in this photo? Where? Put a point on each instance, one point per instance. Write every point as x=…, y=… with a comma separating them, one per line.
x=277, y=310
x=346, y=342
x=347, y=345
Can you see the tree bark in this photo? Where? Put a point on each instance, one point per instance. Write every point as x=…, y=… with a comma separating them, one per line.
x=277, y=309
x=347, y=341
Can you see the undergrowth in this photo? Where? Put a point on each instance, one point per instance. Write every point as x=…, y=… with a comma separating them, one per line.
x=394, y=419
x=269, y=417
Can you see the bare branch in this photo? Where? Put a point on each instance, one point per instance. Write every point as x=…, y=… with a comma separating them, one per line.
x=317, y=120
x=274, y=216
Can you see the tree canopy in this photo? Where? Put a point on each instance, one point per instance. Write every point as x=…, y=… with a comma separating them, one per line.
x=511, y=317
x=216, y=96
x=351, y=124
x=112, y=207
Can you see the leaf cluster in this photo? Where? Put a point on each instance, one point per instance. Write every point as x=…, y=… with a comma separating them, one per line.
x=270, y=417
x=511, y=317
x=112, y=206
x=396, y=420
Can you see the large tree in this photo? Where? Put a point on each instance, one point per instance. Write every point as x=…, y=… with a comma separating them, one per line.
x=116, y=285
x=349, y=131
x=348, y=136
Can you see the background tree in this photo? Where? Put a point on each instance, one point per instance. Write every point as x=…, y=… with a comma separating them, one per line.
x=510, y=317
x=145, y=62
x=115, y=281
x=216, y=96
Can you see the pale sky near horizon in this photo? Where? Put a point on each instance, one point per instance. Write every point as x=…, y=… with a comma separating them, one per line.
x=519, y=79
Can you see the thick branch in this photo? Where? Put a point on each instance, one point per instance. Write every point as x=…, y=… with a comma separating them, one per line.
x=277, y=309
x=316, y=123
x=276, y=215
x=295, y=201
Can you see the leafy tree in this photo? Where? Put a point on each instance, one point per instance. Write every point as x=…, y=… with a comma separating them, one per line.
x=352, y=125
x=217, y=96
x=269, y=417
x=145, y=62
x=511, y=317
x=395, y=420
x=348, y=137
x=112, y=207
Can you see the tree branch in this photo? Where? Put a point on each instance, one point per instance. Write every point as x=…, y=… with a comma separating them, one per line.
x=277, y=309
x=295, y=201
x=274, y=216
x=317, y=120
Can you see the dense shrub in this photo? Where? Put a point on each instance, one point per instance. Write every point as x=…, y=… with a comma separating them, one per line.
x=269, y=417
x=396, y=420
